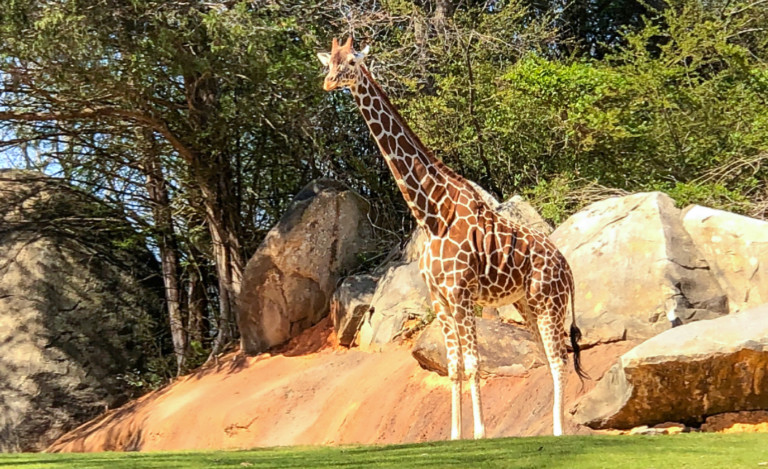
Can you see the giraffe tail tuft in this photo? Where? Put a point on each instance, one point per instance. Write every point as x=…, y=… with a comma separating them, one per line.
x=575, y=337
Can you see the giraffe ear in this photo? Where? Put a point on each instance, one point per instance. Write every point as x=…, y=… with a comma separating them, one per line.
x=325, y=58
x=361, y=55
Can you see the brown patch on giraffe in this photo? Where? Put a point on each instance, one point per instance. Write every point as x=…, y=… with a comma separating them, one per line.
x=434, y=250
x=390, y=143
x=375, y=128
x=493, y=276
x=434, y=190
x=419, y=171
x=449, y=252
x=520, y=254
x=405, y=144
x=411, y=181
x=446, y=212
x=421, y=199
x=376, y=102
x=516, y=276
x=384, y=119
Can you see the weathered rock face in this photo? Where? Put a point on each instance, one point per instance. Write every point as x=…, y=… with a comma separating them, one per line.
x=400, y=295
x=736, y=249
x=685, y=374
x=288, y=283
x=505, y=350
x=77, y=309
x=519, y=210
x=633, y=262
x=350, y=303
x=755, y=421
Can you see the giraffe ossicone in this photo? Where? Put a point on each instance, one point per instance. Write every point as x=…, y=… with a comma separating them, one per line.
x=473, y=255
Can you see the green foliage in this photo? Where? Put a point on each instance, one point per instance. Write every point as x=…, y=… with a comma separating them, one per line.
x=550, y=197
x=679, y=98
x=709, y=194
x=691, y=450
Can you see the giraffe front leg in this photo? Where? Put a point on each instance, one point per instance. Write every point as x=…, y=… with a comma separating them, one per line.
x=466, y=325
x=453, y=355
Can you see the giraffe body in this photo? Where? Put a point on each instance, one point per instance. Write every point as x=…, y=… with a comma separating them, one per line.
x=474, y=255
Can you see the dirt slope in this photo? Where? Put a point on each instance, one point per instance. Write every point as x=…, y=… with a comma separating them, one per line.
x=312, y=392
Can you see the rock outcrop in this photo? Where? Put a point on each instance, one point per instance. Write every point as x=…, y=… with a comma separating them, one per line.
x=755, y=421
x=519, y=210
x=736, y=249
x=685, y=375
x=400, y=295
x=505, y=350
x=289, y=281
x=79, y=298
x=635, y=265
x=349, y=305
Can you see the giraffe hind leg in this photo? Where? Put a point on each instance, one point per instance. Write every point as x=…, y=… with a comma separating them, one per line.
x=552, y=334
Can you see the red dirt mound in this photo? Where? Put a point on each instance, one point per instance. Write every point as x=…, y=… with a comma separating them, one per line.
x=312, y=392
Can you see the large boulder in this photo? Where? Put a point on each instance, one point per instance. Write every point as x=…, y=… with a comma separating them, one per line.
x=80, y=303
x=288, y=283
x=736, y=250
x=505, y=350
x=685, y=374
x=635, y=266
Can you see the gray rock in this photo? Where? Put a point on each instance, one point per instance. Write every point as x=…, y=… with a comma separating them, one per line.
x=505, y=350
x=634, y=265
x=78, y=305
x=414, y=247
x=519, y=210
x=736, y=249
x=289, y=281
x=685, y=374
x=350, y=303
x=400, y=295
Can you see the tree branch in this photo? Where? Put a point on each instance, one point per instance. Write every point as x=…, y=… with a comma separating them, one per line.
x=95, y=113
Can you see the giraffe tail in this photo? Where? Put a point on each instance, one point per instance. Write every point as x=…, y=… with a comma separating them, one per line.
x=575, y=337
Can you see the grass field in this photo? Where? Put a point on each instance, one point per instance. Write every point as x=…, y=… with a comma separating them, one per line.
x=573, y=452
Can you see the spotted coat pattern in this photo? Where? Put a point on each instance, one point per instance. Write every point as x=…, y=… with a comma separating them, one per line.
x=474, y=256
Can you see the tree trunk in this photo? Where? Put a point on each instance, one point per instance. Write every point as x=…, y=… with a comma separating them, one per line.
x=213, y=172
x=157, y=188
x=196, y=306
x=228, y=262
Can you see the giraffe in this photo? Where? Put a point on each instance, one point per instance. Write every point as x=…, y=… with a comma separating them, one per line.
x=473, y=255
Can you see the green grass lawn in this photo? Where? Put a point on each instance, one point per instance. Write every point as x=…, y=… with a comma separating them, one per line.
x=573, y=452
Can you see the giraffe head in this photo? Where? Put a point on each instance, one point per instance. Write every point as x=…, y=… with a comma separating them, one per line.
x=343, y=64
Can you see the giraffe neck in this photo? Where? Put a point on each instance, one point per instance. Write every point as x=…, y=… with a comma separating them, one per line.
x=429, y=186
